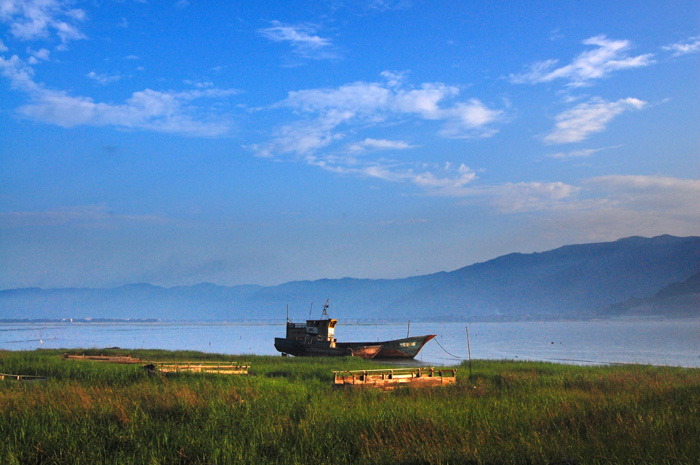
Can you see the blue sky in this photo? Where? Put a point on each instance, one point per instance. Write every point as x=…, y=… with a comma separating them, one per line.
x=262, y=142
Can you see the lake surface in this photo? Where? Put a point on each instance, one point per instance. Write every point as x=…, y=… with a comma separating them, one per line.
x=644, y=341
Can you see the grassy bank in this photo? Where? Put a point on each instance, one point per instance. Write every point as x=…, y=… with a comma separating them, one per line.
x=286, y=412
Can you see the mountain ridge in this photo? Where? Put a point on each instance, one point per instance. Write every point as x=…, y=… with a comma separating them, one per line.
x=572, y=281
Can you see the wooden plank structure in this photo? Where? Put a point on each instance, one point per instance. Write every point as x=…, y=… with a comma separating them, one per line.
x=7, y=376
x=104, y=358
x=387, y=379
x=221, y=368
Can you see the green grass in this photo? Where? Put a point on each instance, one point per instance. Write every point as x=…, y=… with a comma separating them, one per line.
x=287, y=412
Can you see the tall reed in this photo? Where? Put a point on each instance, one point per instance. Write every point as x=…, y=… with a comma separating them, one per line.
x=287, y=412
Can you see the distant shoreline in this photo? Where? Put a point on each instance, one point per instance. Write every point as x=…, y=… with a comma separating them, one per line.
x=345, y=322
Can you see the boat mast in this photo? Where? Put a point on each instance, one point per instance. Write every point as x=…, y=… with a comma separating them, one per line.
x=325, y=310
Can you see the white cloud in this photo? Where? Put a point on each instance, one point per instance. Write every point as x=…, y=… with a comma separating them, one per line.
x=302, y=138
x=20, y=74
x=384, y=5
x=325, y=112
x=528, y=196
x=652, y=193
x=37, y=19
x=199, y=84
x=692, y=45
x=446, y=185
x=394, y=78
x=439, y=181
x=582, y=153
x=608, y=57
x=170, y=112
x=602, y=207
x=379, y=144
x=37, y=55
x=303, y=39
x=327, y=116
x=581, y=121
x=103, y=79
x=465, y=118
x=357, y=98
x=3, y=47
x=615, y=206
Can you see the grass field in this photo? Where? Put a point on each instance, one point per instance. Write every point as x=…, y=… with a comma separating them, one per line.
x=286, y=411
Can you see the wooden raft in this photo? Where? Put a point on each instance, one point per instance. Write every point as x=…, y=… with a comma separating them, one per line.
x=221, y=368
x=4, y=376
x=104, y=358
x=393, y=378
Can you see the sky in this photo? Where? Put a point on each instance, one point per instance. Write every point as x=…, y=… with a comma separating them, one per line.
x=180, y=142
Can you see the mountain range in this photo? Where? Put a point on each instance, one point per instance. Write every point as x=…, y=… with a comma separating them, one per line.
x=627, y=277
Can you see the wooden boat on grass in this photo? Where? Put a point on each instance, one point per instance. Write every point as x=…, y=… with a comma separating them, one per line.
x=387, y=379
x=104, y=358
x=317, y=338
x=219, y=368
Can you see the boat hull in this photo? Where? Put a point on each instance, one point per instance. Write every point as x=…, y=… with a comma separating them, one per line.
x=406, y=348
x=302, y=349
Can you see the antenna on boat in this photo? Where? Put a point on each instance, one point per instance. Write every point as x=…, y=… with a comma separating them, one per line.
x=288, y=320
x=325, y=312
x=311, y=308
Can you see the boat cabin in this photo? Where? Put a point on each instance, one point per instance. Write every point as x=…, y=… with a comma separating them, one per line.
x=312, y=331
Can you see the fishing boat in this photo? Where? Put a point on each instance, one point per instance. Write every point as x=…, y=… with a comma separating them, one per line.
x=317, y=338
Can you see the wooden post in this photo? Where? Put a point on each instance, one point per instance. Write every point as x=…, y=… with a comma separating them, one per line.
x=469, y=349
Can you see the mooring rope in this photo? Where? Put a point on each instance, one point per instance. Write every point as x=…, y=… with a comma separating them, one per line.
x=445, y=350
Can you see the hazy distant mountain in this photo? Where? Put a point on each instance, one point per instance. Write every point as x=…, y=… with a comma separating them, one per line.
x=569, y=282
x=678, y=299
x=200, y=302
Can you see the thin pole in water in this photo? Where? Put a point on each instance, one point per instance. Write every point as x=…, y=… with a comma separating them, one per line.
x=408, y=333
x=469, y=349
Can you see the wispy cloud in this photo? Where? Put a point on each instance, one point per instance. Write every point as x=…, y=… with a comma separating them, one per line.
x=444, y=181
x=652, y=193
x=83, y=215
x=329, y=116
x=379, y=144
x=609, y=207
x=582, y=153
x=608, y=56
x=170, y=112
x=37, y=56
x=587, y=118
x=38, y=19
x=365, y=104
x=692, y=45
x=103, y=79
x=303, y=38
x=384, y=5
x=615, y=204
x=528, y=196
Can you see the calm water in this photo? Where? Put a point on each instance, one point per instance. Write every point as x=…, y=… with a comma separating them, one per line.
x=646, y=341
